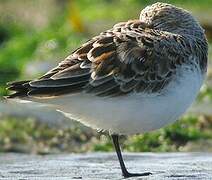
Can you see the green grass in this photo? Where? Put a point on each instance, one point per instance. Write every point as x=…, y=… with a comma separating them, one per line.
x=27, y=135
x=171, y=138
x=125, y=9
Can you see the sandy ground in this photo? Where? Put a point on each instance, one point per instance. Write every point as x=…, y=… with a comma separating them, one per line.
x=95, y=166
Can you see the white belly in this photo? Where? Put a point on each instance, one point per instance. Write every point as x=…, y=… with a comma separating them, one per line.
x=135, y=113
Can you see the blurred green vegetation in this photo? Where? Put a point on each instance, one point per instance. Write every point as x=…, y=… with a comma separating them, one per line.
x=29, y=136
x=22, y=43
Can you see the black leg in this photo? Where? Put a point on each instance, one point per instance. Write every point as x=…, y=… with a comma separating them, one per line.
x=125, y=173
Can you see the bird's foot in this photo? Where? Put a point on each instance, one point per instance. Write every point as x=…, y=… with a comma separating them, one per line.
x=128, y=175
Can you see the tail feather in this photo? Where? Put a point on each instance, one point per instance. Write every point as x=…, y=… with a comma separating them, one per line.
x=19, y=88
x=44, y=88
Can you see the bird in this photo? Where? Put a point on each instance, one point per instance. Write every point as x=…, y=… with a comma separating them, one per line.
x=136, y=77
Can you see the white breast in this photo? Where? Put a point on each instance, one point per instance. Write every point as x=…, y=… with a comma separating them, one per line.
x=135, y=113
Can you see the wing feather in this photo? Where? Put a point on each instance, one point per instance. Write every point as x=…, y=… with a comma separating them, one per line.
x=59, y=82
x=130, y=57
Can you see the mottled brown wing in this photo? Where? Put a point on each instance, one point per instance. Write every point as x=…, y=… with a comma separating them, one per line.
x=130, y=57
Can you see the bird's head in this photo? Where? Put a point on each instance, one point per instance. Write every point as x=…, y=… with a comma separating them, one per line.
x=172, y=19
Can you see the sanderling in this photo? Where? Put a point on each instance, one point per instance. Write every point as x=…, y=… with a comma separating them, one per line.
x=136, y=77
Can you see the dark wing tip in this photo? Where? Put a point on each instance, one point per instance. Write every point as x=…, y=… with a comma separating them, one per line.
x=12, y=96
x=19, y=88
x=15, y=83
